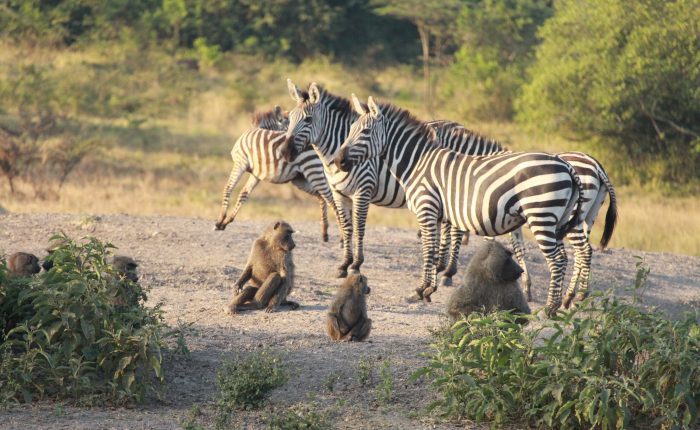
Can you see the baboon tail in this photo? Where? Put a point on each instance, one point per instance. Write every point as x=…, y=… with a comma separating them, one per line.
x=577, y=213
x=611, y=215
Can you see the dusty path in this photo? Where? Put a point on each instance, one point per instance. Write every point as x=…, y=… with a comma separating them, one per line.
x=190, y=269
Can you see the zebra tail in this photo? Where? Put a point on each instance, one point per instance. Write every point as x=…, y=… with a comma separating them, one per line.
x=576, y=216
x=611, y=215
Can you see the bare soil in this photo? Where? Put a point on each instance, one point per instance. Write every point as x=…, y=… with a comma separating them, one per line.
x=190, y=269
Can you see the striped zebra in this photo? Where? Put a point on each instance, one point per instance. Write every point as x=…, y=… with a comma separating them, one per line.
x=596, y=185
x=486, y=195
x=255, y=152
x=323, y=120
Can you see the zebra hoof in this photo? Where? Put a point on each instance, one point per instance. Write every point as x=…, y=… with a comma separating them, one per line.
x=342, y=273
x=324, y=238
x=551, y=310
x=427, y=293
x=219, y=227
x=567, y=301
x=445, y=281
x=579, y=297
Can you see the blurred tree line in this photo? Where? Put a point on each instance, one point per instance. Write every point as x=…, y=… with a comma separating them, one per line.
x=623, y=75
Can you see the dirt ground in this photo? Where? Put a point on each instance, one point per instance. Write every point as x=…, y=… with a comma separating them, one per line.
x=190, y=269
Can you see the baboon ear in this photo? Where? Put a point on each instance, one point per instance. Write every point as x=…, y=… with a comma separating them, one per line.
x=373, y=108
x=357, y=105
x=314, y=93
x=294, y=91
x=277, y=225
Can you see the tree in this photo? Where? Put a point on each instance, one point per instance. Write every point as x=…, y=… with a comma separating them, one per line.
x=430, y=17
x=625, y=74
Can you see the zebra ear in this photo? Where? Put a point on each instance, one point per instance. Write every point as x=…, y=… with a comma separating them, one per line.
x=314, y=93
x=373, y=108
x=357, y=105
x=279, y=113
x=293, y=91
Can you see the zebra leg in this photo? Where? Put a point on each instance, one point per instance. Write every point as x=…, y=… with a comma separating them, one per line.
x=428, y=230
x=445, y=243
x=344, y=208
x=236, y=172
x=242, y=198
x=556, y=261
x=456, y=243
x=518, y=244
x=582, y=267
x=304, y=185
x=360, y=207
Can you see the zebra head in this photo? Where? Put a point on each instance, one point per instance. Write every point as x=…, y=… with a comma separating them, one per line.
x=305, y=120
x=367, y=137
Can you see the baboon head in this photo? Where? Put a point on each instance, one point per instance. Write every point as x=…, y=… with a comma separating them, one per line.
x=499, y=262
x=126, y=266
x=279, y=234
x=23, y=264
x=359, y=283
x=47, y=264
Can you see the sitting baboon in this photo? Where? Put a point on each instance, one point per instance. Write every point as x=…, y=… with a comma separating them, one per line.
x=347, y=317
x=490, y=284
x=127, y=269
x=270, y=268
x=23, y=264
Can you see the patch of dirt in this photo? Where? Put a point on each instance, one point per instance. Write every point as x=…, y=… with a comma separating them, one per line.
x=190, y=269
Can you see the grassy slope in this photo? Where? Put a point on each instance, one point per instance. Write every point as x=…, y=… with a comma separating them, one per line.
x=169, y=155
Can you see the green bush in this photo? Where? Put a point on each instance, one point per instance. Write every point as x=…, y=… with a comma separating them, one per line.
x=290, y=419
x=245, y=381
x=606, y=364
x=625, y=75
x=69, y=333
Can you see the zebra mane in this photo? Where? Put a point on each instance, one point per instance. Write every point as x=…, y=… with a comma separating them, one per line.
x=403, y=116
x=334, y=102
x=261, y=117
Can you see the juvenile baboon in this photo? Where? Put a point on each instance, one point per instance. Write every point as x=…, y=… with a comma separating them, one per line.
x=347, y=317
x=490, y=283
x=270, y=268
x=126, y=267
x=23, y=264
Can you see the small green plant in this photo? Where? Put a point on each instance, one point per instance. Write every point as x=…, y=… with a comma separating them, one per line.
x=68, y=335
x=330, y=380
x=183, y=328
x=365, y=370
x=385, y=389
x=245, y=382
x=291, y=419
x=190, y=423
x=606, y=364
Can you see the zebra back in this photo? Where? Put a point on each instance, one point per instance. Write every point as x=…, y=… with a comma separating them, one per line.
x=455, y=137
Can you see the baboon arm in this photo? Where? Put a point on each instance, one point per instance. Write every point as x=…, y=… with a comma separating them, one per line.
x=361, y=330
x=240, y=299
x=332, y=327
x=269, y=292
x=245, y=277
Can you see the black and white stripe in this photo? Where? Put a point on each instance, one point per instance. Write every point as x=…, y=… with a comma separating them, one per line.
x=255, y=152
x=487, y=195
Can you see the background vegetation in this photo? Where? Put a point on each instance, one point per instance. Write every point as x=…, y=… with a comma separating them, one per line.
x=106, y=103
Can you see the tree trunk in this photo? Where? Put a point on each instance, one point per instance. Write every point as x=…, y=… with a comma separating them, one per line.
x=425, y=44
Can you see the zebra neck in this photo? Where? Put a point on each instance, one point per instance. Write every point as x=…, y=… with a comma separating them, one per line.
x=407, y=152
x=334, y=134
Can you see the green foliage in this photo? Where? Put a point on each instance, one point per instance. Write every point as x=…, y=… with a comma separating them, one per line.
x=627, y=76
x=496, y=39
x=245, y=382
x=291, y=419
x=365, y=370
x=385, y=389
x=209, y=55
x=605, y=364
x=70, y=332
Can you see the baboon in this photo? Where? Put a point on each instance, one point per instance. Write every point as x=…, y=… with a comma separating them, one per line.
x=127, y=269
x=270, y=268
x=347, y=317
x=490, y=283
x=23, y=264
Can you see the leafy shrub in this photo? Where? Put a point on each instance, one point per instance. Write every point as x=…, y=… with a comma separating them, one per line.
x=606, y=364
x=290, y=419
x=245, y=381
x=385, y=389
x=68, y=333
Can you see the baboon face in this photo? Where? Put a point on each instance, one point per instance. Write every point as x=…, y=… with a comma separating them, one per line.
x=364, y=288
x=509, y=270
x=126, y=266
x=282, y=235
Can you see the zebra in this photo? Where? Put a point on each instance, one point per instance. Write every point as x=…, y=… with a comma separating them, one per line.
x=486, y=195
x=323, y=119
x=255, y=152
x=596, y=184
